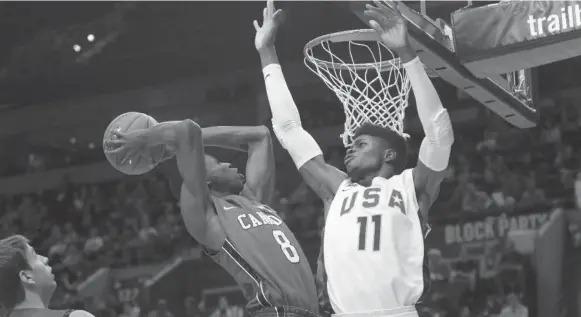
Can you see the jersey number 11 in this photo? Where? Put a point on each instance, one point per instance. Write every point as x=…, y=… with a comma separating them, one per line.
x=376, y=220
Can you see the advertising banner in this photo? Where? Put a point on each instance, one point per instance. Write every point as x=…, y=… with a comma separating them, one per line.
x=515, y=35
x=473, y=235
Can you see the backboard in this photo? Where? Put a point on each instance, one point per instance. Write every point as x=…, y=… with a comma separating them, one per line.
x=511, y=96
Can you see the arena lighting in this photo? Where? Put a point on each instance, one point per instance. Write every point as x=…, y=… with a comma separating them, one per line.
x=77, y=48
x=90, y=37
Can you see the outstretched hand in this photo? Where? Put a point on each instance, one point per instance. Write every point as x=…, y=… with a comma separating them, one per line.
x=271, y=20
x=389, y=24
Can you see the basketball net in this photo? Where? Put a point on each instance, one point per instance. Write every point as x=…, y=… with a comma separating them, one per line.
x=373, y=87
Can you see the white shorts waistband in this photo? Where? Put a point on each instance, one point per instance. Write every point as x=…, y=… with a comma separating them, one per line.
x=405, y=311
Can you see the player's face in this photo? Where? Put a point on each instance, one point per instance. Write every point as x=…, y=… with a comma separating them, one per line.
x=223, y=176
x=41, y=276
x=367, y=154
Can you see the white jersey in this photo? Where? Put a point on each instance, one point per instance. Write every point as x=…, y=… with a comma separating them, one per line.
x=374, y=246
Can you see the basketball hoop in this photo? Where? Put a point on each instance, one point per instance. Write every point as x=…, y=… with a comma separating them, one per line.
x=372, y=89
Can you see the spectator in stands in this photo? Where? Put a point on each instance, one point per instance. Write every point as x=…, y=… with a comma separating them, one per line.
x=130, y=309
x=441, y=289
x=551, y=133
x=440, y=270
x=35, y=163
x=203, y=309
x=73, y=257
x=70, y=234
x=161, y=310
x=474, y=199
x=533, y=196
x=191, y=306
x=513, y=307
x=225, y=310
x=94, y=244
x=56, y=243
x=466, y=272
x=502, y=198
x=465, y=312
x=488, y=144
x=512, y=266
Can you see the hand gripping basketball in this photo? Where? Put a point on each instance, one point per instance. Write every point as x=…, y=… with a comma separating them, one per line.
x=131, y=143
x=389, y=24
x=271, y=20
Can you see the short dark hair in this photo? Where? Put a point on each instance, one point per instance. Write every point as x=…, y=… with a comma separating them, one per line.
x=13, y=260
x=396, y=142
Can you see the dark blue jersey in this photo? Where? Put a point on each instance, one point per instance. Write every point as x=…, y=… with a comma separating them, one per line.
x=263, y=256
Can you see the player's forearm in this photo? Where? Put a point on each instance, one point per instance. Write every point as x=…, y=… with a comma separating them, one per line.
x=282, y=105
x=406, y=54
x=268, y=56
x=174, y=134
x=234, y=137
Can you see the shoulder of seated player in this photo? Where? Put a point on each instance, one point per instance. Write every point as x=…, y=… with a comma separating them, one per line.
x=80, y=313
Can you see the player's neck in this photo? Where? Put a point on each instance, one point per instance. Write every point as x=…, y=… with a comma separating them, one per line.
x=365, y=180
x=32, y=300
x=385, y=172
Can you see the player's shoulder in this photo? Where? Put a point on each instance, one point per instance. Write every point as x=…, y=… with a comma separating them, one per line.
x=80, y=313
x=232, y=202
x=407, y=176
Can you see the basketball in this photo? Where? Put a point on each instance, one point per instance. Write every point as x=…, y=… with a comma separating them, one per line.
x=138, y=164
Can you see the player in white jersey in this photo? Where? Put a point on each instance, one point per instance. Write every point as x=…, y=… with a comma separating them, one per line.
x=375, y=229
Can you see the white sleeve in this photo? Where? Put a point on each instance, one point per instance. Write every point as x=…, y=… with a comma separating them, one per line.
x=286, y=121
x=437, y=144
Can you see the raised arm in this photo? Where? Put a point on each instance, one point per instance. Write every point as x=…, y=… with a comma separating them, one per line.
x=323, y=178
x=437, y=144
x=184, y=138
x=260, y=167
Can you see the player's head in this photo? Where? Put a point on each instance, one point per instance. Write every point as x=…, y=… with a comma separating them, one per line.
x=376, y=151
x=223, y=177
x=23, y=272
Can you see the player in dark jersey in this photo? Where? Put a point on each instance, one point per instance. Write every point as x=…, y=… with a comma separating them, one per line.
x=27, y=282
x=230, y=217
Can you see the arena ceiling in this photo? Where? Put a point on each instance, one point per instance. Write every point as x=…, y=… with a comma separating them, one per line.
x=138, y=43
x=143, y=43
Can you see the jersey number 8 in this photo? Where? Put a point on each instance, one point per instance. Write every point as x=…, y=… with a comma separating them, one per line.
x=287, y=248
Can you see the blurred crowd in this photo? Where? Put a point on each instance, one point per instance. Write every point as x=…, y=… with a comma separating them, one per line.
x=136, y=220
x=82, y=228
